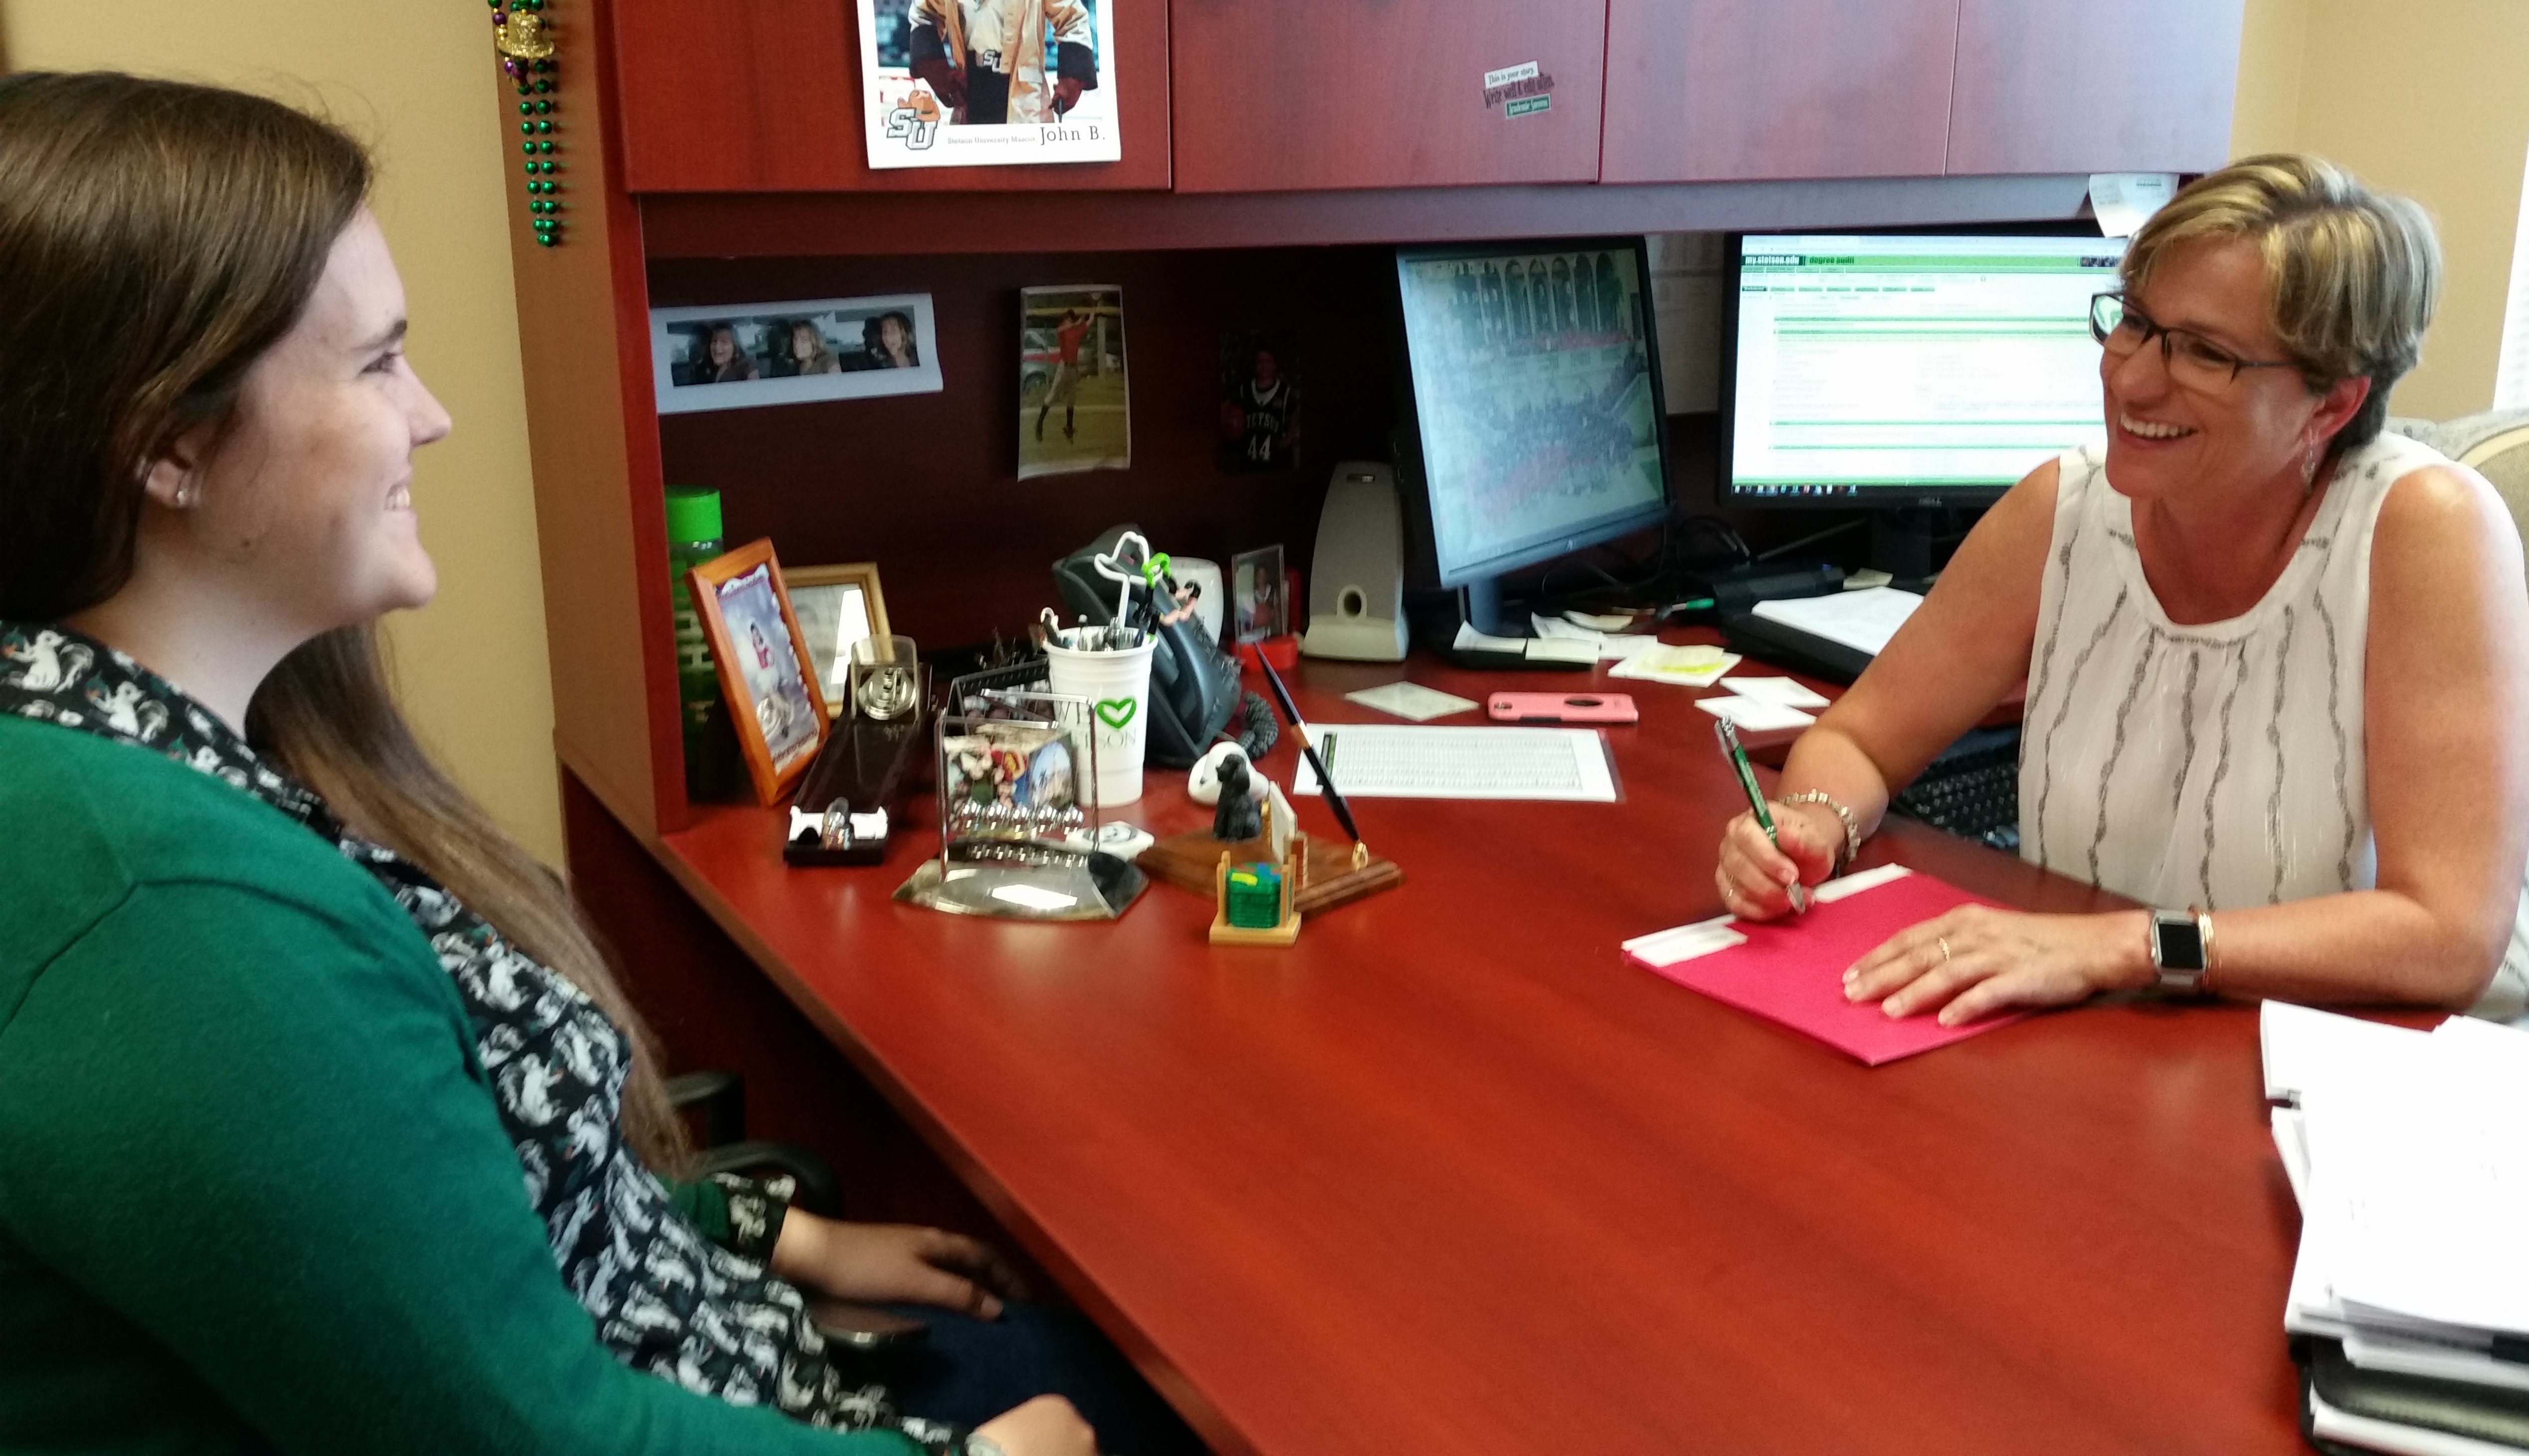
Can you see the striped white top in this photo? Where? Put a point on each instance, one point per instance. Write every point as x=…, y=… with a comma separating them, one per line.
x=2219, y=765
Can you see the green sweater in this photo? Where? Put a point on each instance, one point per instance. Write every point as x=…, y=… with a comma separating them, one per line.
x=253, y=1192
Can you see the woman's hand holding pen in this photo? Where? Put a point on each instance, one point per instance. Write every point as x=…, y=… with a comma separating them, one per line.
x=1977, y=960
x=1756, y=875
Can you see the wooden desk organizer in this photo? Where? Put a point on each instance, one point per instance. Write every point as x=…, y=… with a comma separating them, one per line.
x=1327, y=878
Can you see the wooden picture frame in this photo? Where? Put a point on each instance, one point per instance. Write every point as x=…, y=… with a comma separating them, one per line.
x=764, y=662
x=828, y=657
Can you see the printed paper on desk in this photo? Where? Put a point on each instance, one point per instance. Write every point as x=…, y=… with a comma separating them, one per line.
x=1792, y=971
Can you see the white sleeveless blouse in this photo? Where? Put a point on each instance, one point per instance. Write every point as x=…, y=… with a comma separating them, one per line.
x=2220, y=765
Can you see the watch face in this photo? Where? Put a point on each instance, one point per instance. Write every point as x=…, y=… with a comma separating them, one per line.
x=2180, y=943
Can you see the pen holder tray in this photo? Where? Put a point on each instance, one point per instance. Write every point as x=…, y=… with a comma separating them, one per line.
x=1191, y=861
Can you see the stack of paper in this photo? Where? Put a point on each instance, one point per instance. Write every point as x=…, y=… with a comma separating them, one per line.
x=1611, y=646
x=2407, y=1154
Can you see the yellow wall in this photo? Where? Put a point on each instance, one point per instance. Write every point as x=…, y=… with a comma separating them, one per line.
x=416, y=79
x=2425, y=97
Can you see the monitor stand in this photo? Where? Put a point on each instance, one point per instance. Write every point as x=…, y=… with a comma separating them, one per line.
x=1915, y=541
x=1480, y=605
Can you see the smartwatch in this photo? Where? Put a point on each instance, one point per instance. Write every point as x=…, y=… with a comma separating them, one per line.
x=2182, y=946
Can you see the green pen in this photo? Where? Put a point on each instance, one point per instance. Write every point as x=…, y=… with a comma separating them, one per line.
x=1728, y=733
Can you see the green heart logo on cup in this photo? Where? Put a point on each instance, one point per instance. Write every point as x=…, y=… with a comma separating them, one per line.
x=1117, y=711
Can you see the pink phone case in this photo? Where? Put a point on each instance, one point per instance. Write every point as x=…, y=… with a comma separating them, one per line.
x=1562, y=707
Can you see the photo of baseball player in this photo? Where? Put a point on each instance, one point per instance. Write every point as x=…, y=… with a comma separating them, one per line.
x=1074, y=412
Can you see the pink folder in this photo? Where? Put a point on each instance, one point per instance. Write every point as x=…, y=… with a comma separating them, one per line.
x=1792, y=970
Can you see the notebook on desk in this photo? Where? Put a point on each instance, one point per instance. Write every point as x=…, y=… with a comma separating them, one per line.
x=1792, y=971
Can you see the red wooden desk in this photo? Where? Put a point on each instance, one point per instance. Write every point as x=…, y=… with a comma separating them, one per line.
x=1450, y=1176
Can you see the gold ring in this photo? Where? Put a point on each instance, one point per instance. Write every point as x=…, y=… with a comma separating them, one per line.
x=1945, y=949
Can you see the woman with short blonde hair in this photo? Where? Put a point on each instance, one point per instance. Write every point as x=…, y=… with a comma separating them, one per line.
x=2277, y=660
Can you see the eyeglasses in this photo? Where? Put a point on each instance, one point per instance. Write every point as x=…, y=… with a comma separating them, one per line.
x=2194, y=360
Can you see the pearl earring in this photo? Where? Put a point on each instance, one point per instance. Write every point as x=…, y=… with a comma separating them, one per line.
x=185, y=495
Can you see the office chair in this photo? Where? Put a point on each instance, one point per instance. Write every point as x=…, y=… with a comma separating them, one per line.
x=2496, y=444
x=719, y=1101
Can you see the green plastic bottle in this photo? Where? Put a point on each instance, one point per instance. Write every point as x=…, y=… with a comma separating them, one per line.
x=694, y=537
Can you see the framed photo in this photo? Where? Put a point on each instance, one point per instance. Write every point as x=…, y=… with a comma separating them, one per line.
x=836, y=607
x=735, y=356
x=774, y=704
x=1256, y=586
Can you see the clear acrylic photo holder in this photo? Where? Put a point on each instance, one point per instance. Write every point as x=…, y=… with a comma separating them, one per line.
x=1019, y=817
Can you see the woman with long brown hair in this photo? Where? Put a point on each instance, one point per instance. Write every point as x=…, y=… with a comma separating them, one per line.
x=285, y=1019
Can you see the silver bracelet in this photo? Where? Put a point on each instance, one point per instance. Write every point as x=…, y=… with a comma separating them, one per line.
x=1851, y=829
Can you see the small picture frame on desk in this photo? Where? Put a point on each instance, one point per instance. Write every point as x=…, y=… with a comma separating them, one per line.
x=1258, y=596
x=764, y=660
x=838, y=606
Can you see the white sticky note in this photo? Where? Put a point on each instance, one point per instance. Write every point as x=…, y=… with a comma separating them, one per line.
x=1411, y=700
x=1687, y=667
x=1755, y=714
x=1788, y=692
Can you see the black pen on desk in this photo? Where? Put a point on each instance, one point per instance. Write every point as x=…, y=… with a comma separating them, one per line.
x=1728, y=733
x=1325, y=780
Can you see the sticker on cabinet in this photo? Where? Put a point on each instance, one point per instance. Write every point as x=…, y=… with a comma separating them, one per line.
x=1518, y=90
x=988, y=83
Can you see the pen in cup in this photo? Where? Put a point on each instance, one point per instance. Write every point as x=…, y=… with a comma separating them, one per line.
x=1728, y=733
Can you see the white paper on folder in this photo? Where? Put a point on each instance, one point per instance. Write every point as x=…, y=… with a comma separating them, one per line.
x=1863, y=621
x=1398, y=761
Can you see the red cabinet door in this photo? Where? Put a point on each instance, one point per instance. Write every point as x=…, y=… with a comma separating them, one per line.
x=1701, y=90
x=2133, y=85
x=764, y=96
x=1283, y=95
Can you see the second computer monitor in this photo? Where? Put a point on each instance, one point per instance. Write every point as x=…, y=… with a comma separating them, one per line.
x=1535, y=397
x=1900, y=369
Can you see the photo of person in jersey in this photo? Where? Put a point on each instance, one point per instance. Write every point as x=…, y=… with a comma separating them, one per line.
x=1073, y=409
x=997, y=62
x=1260, y=402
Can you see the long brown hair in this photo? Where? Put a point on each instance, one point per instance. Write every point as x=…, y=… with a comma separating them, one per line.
x=156, y=239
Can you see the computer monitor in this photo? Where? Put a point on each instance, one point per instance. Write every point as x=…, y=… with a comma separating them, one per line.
x=1536, y=402
x=1894, y=369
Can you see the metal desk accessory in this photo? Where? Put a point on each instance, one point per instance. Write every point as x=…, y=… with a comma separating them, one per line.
x=1018, y=813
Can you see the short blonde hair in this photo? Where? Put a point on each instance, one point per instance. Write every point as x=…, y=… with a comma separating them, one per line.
x=2351, y=275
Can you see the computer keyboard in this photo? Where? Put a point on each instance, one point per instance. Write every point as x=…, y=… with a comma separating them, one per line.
x=1972, y=790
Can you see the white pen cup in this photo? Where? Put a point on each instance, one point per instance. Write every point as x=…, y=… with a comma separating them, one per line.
x=1117, y=685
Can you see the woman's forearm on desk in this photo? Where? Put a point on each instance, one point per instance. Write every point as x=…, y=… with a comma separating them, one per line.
x=2375, y=945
